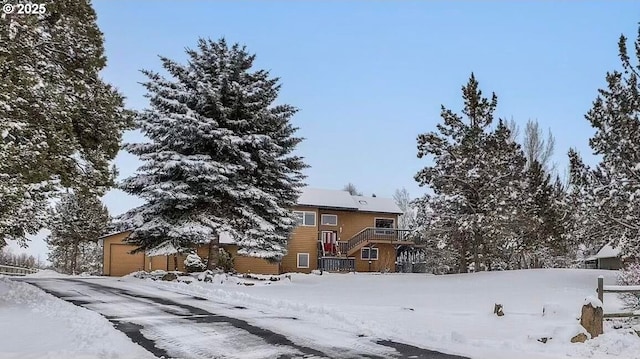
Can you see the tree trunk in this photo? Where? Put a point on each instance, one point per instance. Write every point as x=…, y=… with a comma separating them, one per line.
x=464, y=245
x=175, y=262
x=212, y=257
x=476, y=256
x=74, y=258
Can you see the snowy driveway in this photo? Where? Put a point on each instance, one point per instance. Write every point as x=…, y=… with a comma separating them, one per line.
x=176, y=326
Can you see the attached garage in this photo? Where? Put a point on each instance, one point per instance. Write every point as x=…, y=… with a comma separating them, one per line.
x=122, y=261
x=118, y=260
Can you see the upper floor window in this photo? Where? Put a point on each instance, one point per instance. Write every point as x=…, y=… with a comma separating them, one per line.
x=329, y=220
x=304, y=218
x=385, y=223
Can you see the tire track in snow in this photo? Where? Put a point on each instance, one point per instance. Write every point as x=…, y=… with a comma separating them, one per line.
x=284, y=348
x=167, y=328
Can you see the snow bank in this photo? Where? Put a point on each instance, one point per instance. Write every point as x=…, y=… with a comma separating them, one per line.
x=451, y=313
x=39, y=326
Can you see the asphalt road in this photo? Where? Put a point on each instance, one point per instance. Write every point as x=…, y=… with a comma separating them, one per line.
x=171, y=329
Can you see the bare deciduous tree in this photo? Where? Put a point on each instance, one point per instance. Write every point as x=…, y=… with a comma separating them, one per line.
x=351, y=188
x=535, y=144
x=408, y=218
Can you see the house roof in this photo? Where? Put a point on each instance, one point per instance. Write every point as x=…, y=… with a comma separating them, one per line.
x=607, y=251
x=336, y=199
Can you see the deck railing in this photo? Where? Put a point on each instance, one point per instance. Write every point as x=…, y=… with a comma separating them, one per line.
x=16, y=271
x=371, y=233
x=337, y=264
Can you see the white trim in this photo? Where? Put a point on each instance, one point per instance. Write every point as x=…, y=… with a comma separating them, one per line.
x=370, y=249
x=298, y=260
x=304, y=214
x=328, y=215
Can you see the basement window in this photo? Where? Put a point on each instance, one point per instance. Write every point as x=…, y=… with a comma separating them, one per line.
x=303, y=260
x=369, y=254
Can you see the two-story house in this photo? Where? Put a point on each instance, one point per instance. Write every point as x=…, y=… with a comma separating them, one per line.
x=336, y=232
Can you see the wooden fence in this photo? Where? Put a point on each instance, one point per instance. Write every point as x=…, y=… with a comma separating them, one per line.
x=617, y=289
x=16, y=271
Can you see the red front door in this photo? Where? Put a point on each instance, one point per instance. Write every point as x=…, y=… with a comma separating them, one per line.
x=330, y=242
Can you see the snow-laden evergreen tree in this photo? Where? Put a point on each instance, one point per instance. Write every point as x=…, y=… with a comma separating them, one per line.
x=543, y=221
x=541, y=235
x=79, y=219
x=220, y=157
x=477, y=181
x=609, y=191
x=60, y=123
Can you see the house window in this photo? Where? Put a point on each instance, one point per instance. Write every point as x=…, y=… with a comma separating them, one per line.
x=303, y=218
x=303, y=260
x=369, y=254
x=384, y=223
x=329, y=220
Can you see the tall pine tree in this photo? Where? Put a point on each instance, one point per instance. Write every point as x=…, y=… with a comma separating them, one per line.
x=609, y=192
x=60, y=123
x=476, y=179
x=220, y=157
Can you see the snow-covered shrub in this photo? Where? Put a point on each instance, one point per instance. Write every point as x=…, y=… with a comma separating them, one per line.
x=630, y=275
x=193, y=263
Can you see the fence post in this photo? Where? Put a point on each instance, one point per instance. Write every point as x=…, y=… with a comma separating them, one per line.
x=601, y=288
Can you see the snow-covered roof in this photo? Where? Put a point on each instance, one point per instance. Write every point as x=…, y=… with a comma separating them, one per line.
x=111, y=234
x=166, y=248
x=225, y=238
x=377, y=204
x=327, y=198
x=607, y=251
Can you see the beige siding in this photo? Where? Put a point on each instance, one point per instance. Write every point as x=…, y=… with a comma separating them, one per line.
x=106, y=250
x=304, y=239
x=158, y=263
x=386, y=260
x=244, y=264
x=122, y=261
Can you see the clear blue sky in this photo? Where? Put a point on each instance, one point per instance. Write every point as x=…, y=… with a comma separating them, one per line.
x=369, y=76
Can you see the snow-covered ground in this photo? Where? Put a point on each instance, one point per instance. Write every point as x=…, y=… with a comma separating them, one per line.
x=452, y=313
x=37, y=325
